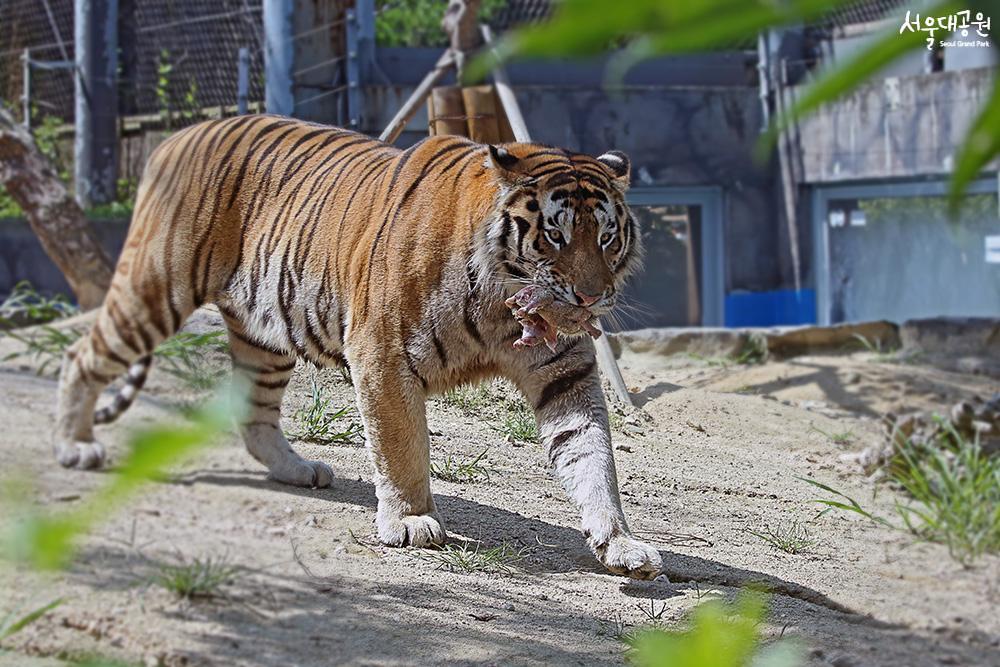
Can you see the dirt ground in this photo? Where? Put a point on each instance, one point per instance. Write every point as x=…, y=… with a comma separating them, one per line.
x=719, y=454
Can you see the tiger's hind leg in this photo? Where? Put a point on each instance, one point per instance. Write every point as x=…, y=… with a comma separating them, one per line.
x=266, y=374
x=118, y=343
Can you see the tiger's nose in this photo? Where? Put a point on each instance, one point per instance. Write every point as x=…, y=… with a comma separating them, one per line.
x=586, y=299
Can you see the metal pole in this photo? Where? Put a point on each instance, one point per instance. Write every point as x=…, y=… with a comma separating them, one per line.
x=243, y=81
x=96, y=104
x=26, y=86
x=279, y=56
x=353, y=30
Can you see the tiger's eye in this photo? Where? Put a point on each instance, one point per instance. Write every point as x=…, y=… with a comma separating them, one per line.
x=555, y=235
x=605, y=238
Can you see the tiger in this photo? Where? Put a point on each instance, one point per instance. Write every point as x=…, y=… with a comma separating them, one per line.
x=323, y=244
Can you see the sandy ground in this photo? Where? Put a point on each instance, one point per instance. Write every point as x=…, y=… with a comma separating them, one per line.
x=720, y=452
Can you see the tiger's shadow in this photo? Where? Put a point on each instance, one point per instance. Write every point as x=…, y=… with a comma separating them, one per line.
x=549, y=548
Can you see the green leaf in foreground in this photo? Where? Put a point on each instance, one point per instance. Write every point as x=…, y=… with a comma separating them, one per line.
x=47, y=541
x=720, y=635
x=9, y=628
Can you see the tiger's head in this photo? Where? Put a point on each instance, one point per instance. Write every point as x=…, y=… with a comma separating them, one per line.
x=562, y=223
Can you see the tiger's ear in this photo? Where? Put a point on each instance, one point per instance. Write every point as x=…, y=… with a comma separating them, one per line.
x=620, y=166
x=509, y=168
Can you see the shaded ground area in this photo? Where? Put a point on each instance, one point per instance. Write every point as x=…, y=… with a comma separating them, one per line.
x=717, y=455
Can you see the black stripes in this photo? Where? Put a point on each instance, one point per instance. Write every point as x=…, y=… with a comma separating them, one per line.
x=563, y=384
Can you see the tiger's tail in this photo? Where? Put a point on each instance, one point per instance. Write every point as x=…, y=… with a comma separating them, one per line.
x=134, y=380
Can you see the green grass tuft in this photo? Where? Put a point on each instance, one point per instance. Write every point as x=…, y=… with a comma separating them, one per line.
x=953, y=496
x=197, y=578
x=792, y=538
x=468, y=559
x=451, y=470
x=320, y=422
x=26, y=306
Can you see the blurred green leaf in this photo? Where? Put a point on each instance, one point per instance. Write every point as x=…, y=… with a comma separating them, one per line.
x=9, y=628
x=46, y=542
x=720, y=635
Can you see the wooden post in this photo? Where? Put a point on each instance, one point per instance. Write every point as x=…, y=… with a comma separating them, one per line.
x=405, y=113
x=446, y=112
x=54, y=216
x=481, y=114
x=605, y=356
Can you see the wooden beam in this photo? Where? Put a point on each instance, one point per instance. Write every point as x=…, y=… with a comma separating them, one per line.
x=605, y=355
x=405, y=113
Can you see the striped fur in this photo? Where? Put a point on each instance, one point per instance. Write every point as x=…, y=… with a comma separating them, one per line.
x=323, y=244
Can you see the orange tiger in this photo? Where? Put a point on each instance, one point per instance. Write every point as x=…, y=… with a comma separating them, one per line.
x=320, y=243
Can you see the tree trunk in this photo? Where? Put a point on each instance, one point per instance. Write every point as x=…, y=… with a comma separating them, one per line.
x=53, y=214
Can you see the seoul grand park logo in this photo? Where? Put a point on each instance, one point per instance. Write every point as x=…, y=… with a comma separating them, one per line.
x=961, y=29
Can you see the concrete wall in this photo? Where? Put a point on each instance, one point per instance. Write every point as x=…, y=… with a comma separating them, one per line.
x=899, y=127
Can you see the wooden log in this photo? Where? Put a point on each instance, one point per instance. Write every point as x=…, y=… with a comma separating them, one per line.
x=481, y=112
x=449, y=111
x=405, y=113
x=53, y=214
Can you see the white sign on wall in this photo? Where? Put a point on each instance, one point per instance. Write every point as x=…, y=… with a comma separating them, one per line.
x=992, y=249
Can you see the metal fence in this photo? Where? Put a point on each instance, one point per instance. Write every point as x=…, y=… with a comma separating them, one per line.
x=177, y=59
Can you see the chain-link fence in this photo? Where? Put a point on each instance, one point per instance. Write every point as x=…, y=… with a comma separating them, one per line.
x=177, y=60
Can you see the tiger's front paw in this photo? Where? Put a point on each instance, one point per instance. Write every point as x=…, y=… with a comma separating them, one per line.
x=626, y=555
x=80, y=454
x=420, y=530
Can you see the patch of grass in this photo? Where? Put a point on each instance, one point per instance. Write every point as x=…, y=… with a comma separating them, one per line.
x=954, y=497
x=519, y=425
x=880, y=351
x=185, y=356
x=754, y=350
x=197, y=578
x=836, y=437
x=721, y=362
x=25, y=306
x=792, y=538
x=319, y=421
x=451, y=470
x=468, y=559
x=45, y=346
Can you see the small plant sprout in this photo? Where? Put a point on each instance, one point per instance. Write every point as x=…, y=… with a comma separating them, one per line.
x=450, y=470
x=836, y=437
x=466, y=559
x=519, y=425
x=197, y=578
x=792, y=538
x=319, y=422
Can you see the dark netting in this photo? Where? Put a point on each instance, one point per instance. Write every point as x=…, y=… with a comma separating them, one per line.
x=867, y=11
x=177, y=59
x=519, y=12
x=180, y=59
x=45, y=27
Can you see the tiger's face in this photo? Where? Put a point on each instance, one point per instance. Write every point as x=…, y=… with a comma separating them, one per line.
x=565, y=223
